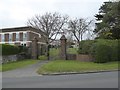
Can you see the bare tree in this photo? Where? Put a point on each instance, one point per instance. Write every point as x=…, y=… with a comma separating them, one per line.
x=51, y=24
x=78, y=27
x=69, y=36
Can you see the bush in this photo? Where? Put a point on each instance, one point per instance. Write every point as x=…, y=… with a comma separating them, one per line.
x=118, y=50
x=105, y=51
x=102, y=50
x=85, y=46
x=9, y=49
x=22, y=49
x=42, y=57
x=102, y=54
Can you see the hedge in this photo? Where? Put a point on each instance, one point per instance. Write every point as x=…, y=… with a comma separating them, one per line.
x=85, y=46
x=106, y=50
x=9, y=49
x=102, y=53
x=102, y=50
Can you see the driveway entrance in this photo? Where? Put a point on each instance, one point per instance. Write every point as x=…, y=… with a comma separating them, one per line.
x=25, y=71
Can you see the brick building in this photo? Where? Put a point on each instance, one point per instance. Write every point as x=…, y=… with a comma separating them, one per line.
x=21, y=36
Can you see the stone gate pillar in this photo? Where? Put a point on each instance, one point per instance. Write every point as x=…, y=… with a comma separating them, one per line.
x=35, y=48
x=63, y=53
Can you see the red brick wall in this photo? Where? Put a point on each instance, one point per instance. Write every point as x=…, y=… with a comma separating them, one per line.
x=6, y=37
x=21, y=36
x=14, y=37
x=85, y=58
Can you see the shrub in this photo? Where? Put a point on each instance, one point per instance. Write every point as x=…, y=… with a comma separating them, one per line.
x=102, y=50
x=118, y=50
x=9, y=49
x=85, y=46
x=42, y=57
x=105, y=50
x=22, y=49
x=102, y=53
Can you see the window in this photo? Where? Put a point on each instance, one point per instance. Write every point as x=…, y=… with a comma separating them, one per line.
x=10, y=37
x=17, y=36
x=25, y=36
x=2, y=37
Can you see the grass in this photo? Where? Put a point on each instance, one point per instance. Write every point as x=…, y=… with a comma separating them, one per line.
x=15, y=65
x=75, y=66
x=72, y=50
x=42, y=57
x=54, y=51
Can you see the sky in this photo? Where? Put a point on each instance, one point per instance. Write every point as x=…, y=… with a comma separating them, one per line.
x=15, y=13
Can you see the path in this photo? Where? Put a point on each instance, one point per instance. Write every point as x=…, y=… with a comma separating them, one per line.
x=26, y=71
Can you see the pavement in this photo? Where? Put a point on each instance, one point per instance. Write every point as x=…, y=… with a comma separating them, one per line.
x=91, y=80
x=26, y=71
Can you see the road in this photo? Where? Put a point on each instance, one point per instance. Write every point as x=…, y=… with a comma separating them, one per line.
x=91, y=80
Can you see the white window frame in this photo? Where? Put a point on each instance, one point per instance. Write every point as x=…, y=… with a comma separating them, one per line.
x=24, y=36
x=10, y=37
x=17, y=36
x=2, y=37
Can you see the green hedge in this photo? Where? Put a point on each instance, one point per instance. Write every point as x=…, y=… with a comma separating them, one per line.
x=105, y=51
x=85, y=46
x=102, y=53
x=22, y=49
x=102, y=50
x=9, y=49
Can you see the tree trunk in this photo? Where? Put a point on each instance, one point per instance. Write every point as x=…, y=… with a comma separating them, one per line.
x=79, y=46
x=48, y=56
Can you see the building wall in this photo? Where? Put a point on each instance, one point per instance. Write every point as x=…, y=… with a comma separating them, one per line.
x=32, y=35
x=10, y=37
x=0, y=37
x=6, y=37
x=14, y=37
x=21, y=36
x=24, y=37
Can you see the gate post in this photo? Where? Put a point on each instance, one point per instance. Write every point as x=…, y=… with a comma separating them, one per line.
x=35, y=48
x=63, y=53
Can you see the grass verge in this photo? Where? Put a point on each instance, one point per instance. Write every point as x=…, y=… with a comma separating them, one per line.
x=75, y=66
x=15, y=65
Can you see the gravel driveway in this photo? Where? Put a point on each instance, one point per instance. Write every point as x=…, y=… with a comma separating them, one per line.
x=26, y=71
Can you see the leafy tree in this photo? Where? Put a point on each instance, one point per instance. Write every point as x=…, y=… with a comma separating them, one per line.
x=109, y=26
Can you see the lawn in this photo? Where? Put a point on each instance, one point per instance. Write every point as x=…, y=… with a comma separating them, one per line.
x=72, y=50
x=15, y=65
x=54, y=51
x=75, y=66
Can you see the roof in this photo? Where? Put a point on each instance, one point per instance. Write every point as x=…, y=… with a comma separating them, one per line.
x=25, y=28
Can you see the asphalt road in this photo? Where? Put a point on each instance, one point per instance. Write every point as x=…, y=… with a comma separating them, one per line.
x=91, y=80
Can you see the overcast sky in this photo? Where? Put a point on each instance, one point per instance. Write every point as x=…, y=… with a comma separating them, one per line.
x=15, y=13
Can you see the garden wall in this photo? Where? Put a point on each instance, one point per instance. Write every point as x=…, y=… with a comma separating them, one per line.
x=11, y=58
x=80, y=57
x=85, y=58
x=71, y=56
